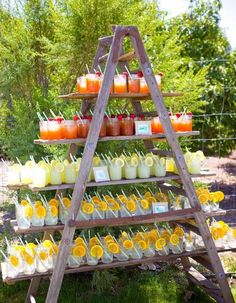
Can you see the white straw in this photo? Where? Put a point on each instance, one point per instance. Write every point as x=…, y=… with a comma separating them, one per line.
x=99, y=67
x=128, y=72
x=45, y=116
x=52, y=112
x=87, y=68
x=18, y=160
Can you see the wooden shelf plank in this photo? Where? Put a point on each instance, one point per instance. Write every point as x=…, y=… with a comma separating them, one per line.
x=208, y=286
x=138, y=96
x=168, y=176
x=114, y=264
x=116, y=138
x=177, y=215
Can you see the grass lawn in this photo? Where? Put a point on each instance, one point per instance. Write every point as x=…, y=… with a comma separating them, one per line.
x=119, y=286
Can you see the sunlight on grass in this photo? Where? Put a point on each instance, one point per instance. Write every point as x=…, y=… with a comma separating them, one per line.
x=168, y=286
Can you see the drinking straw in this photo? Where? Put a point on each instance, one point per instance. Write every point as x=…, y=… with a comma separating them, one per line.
x=138, y=192
x=85, y=241
x=107, y=116
x=60, y=200
x=29, y=200
x=87, y=68
x=52, y=112
x=91, y=112
x=61, y=114
x=36, y=240
x=132, y=233
x=95, y=70
x=7, y=242
x=71, y=157
x=53, y=241
x=39, y=116
x=32, y=158
x=5, y=163
x=117, y=71
x=128, y=72
x=3, y=254
x=99, y=67
x=18, y=160
x=78, y=115
x=151, y=191
x=110, y=194
x=99, y=239
x=45, y=116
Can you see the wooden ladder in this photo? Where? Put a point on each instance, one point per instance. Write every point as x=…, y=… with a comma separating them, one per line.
x=116, y=56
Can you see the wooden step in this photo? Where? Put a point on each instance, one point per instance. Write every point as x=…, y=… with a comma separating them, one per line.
x=115, y=138
x=168, y=176
x=124, y=58
x=138, y=96
x=210, y=288
x=177, y=215
x=101, y=266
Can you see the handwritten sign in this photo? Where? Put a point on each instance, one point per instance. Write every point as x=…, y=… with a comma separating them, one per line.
x=101, y=174
x=143, y=128
x=159, y=207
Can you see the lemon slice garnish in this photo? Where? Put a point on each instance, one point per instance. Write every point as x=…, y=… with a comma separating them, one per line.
x=148, y=161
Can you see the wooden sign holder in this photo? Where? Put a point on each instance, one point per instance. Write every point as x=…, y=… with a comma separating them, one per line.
x=208, y=257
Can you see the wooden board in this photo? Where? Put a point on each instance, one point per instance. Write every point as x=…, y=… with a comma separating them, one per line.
x=168, y=176
x=115, y=138
x=140, y=96
x=177, y=215
x=209, y=287
x=101, y=266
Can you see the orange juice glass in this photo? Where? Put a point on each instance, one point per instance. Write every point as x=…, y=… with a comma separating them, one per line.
x=186, y=123
x=134, y=84
x=43, y=130
x=156, y=126
x=83, y=85
x=69, y=129
x=144, y=89
x=54, y=130
x=120, y=84
x=93, y=83
x=83, y=128
x=175, y=123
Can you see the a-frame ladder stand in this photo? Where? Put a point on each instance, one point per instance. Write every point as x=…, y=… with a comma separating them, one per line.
x=114, y=57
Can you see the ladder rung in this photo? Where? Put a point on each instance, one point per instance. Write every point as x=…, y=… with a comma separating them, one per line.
x=197, y=278
x=126, y=57
x=172, y=215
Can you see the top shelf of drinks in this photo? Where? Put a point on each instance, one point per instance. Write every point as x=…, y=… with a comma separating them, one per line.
x=122, y=83
x=113, y=125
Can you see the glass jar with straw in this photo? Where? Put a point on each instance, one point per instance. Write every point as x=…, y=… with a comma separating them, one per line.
x=39, y=214
x=24, y=213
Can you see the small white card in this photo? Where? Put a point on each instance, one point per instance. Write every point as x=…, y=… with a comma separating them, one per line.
x=101, y=174
x=143, y=128
x=159, y=207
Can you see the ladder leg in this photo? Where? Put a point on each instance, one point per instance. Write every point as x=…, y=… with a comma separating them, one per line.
x=35, y=282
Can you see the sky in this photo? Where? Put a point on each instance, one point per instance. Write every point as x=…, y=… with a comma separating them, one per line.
x=228, y=18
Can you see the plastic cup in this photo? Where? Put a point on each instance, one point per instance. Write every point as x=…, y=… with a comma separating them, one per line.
x=43, y=130
x=54, y=130
x=144, y=89
x=156, y=126
x=120, y=85
x=22, y=221
x=115, y=172
x=130, y=171
x=69, y=129
x=113, y=127
x=134, y=84
x=143, y=170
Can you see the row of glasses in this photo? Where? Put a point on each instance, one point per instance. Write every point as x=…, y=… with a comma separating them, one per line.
x=122, y=83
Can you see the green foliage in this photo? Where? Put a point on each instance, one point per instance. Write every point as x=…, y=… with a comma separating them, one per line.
x=168, y=286
x=44, y=45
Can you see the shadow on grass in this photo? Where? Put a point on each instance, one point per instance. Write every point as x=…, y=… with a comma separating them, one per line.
x=168, y=286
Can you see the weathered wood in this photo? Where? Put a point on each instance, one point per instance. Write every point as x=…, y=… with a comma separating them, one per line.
x=209, y=287
x=140, y=96
x=168, y=176
x=35, y=229
x=89, y=149
x=146, y=220
x=172, y=215
x=204, y=261
x=115, y=138
x=180, y=161
x=101, y=266
x=127, y=57
x=48, y=232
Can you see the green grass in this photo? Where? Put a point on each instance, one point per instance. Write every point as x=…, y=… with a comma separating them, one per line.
x=120, y=286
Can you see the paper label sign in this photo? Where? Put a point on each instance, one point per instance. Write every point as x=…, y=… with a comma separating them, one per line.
x=159, y=207
x=143, y=128
x=101, y=174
